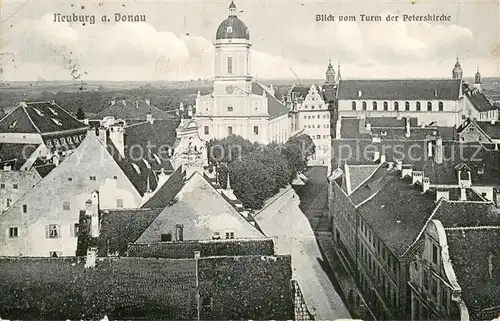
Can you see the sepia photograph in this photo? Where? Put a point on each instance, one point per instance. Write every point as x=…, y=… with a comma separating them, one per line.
x=250, y=160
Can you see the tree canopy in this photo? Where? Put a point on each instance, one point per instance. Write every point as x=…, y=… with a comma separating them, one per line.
x=257, y=172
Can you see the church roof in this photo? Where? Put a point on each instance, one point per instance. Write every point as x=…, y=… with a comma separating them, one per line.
x=399, y=89
x=274, y=106
x=39, y=118
x=132, y=110
x=232, y=27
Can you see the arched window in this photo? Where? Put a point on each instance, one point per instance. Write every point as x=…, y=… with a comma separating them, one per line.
x=386, y=106
x=353, y=105
x=441, y=107
x=407, y=105
x=429, y=106
x=374, y=105
x=396, y=105
x=364, y=105
x=418, y=106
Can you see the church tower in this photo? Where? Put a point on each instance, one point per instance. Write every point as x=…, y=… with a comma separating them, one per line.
x=477, y=79
x=232, y=56
x=457, y=71
x=330, y=74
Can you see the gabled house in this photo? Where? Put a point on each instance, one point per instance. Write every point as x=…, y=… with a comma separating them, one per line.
x=484, y=132
x=44, y=221
x=132, y=111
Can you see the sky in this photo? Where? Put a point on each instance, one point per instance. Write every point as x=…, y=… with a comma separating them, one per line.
x=176, y=41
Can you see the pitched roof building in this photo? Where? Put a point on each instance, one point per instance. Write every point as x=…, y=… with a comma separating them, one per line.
x=132, y=110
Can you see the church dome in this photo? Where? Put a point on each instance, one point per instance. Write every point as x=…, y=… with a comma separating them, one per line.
x=457, y=68
x=232, y=27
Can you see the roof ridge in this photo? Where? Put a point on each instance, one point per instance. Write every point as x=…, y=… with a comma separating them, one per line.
x=438, y=205
x=31, y=120
x=10, y=112
x=478, y=228
x=53, y=103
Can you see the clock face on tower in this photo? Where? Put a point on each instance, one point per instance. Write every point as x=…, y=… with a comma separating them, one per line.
x=229, y=89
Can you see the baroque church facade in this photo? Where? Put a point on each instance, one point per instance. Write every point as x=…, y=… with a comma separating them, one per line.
x=238, y=104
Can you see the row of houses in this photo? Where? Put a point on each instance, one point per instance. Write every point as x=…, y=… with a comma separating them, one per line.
x=414, y=213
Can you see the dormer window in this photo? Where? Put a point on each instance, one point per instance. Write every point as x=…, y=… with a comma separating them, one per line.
x=157, y=158
x=383, y=133
x=53, y=111
x=136, y=168
x=38, y=111
x=146, y=163
x=57, y=122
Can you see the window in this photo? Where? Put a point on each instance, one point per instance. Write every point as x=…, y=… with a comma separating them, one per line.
x=66, y=206
x=166, y=237
x=52, y=231
x=15, y=186
x=2, y=186
x=92, y=178
x=229, y=235
x=429, y=106
x=434, y=254
x=318, y=136
x=229, y=65
x=8, y=202
x=434, y=287
x=115, y=177
x=353, y=105
x=179, y=232
x=418, y=106
x=407, y=105
x=425, y=281
x=374, y=105
x=119, y=203
x=55, y=254
x=441, y=107
x=25, y=208
x=256, y=130
x=386, y=106
x=364, y=105
x=206, y=130
x=229, y=130
x=229, y=29
x=13, y=232
x=70, y=179
x=396, y=105
x=229, y=109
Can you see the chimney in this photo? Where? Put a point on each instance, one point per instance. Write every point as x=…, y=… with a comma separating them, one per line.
x=406, y=170
x=271, y=89
x=116, y=135
x=94, y=214
x=463, y=194
x=103, y=136
x=429, y=149
x=426, y=184
x=493, y=122
x=416, y=177
x=407, y=121
x=112, y=102
x=376, y=156
x=399, y=165
x=181, y=106
x=442, y=194
x=496, y=197
x=390, y=165
x=438, y=157
x=368, y=126
x=136, y=104
x=149, y=118
x=7, y=167
x=360, y=93
x=382, y=158
x=197, y=255
x=190, y=111
x=55, y=160
x=490, y=266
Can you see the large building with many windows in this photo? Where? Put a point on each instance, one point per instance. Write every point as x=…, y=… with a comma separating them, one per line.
x=238, y=104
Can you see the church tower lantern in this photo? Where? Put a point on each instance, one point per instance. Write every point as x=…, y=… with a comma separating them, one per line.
x=457, y=71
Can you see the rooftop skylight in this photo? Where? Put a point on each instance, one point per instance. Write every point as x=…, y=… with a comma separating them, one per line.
x=38, y=111
x=53, y=111
x=137, y=169
x=57, y=121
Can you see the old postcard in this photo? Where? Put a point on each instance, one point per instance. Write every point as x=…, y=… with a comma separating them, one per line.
x=249, y=160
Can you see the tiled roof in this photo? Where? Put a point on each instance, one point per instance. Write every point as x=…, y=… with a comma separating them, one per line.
x=399, y=89
x=414, y=152
x=154, y=141
x=378, y=180
x=16, y=154
x=180, y=250
x=492, y=130
x=243, y=287
x=125, y=288
x=167, y=191
x=274, y=106
x=39, y=117
x=478, y=99
x=198, y=206
x=467, y=214
x=139, y=174
x=391, y=122
x=359, y=173
x=44, y=170
x=299, y=91
x=120, y=227
x=470, y=251
x=397, y=213
x=132, y=110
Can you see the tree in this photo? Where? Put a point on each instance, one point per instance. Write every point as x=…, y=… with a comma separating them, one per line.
x=80, y=115
x=305, y=143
